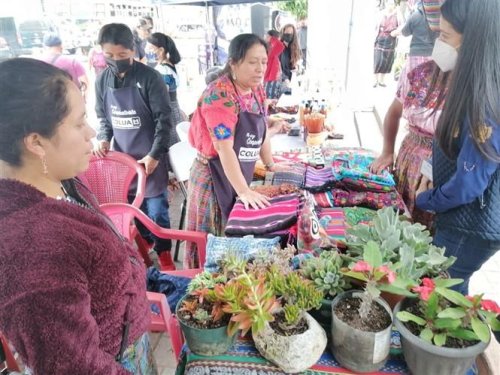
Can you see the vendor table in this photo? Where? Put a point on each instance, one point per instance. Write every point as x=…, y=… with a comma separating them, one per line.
x=244, y=359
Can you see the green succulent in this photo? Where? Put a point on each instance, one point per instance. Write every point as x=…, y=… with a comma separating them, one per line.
x=295, y=291
x=206, y=280
x=202, y=316
x=324, y=272
x=408, y=246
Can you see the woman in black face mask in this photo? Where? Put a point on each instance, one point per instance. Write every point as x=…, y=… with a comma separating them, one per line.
x=291, y=55
x=133, y=108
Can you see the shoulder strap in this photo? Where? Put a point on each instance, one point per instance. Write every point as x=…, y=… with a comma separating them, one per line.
x=54, y=59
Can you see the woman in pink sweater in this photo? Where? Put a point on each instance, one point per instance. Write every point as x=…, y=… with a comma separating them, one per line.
x=72, y=290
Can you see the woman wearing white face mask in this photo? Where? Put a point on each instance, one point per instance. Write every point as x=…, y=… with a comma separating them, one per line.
x=419, y=100
x=466, y=149
x=167, y=56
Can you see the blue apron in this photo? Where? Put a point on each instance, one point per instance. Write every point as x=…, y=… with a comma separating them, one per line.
x=249, y=134
x=133, y=132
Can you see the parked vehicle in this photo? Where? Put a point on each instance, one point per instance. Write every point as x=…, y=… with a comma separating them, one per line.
x=32, y=32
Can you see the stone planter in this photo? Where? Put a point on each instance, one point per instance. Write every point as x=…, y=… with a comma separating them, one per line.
x=358, y=350
x=210, y=341
x=424, y=358
x=295, y=353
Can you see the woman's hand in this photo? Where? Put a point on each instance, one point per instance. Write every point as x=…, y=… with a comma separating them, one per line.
x=384, y=161
x=251, y=198
x=150, y=164
x=425, y=184
x=101, y=149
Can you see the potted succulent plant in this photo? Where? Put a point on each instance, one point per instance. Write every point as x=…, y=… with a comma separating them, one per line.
x=407, y=246
x=274, y=305
x=324, y=272
x=201, y=316
x=443, y=331
x=361, y=321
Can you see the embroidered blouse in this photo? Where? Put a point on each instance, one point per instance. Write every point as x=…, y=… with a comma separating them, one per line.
x=411, y=93
x=217, y=112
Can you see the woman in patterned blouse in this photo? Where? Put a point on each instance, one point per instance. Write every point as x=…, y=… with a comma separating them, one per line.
x=228, y=129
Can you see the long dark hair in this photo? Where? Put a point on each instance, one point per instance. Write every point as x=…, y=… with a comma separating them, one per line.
x=239, y=47
x=293, y=45
x=161, y=40
x=474, y=89
x=33, y=99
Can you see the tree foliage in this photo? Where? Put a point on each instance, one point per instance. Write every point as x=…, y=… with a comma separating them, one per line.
x=296, y=7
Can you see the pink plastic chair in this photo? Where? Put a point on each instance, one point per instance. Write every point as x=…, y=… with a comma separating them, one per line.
x=166, y=322
x=121, y=215
x=109, y=178
x=10, y=361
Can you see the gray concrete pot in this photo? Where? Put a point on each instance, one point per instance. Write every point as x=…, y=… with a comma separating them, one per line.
x=423, y=358
x=358, y=350
x=295, y=353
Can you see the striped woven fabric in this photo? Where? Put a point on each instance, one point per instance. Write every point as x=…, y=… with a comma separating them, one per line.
x=433, y=12
x=281, y=214
x=333, y=221
x=319, y=179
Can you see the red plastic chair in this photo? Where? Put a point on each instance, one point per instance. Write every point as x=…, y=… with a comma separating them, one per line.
x=109, y=178
x=10, y=360
x=121, y=215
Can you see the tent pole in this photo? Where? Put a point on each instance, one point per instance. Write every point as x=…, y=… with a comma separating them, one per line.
x=348, y=57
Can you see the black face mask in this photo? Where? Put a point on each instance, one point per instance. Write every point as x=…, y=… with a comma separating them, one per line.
x=118, y=66
x=287, y=38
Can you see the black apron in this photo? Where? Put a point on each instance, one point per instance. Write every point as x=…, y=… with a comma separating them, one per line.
x=133, y=132
x=249, y=134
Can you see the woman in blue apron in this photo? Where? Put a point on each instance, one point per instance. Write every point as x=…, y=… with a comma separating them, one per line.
x=132, y=105
x=228, y=130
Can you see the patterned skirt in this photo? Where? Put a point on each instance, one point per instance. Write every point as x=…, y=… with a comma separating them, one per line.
x=176, y=114
x=203, y=212
x=416, y=148
x=138, y=357
x=384, y=54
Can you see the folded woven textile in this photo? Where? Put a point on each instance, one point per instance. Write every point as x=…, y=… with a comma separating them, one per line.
x=281, y=214
x=244, y=247
x=318, y=180
x=333, y=222
x=348, y=198
x=291, y=174
x=357, y=167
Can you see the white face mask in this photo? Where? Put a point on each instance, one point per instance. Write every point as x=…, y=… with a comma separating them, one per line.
x=444, y=55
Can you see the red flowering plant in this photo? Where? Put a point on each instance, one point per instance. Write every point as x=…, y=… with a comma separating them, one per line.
x=377, y=276
x=443, y=315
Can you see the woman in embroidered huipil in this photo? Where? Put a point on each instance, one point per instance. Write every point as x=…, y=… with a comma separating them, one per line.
x=228, y=129
x=417, y=104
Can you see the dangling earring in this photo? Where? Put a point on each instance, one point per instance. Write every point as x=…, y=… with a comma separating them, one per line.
x=233, y=76
x=45, y=170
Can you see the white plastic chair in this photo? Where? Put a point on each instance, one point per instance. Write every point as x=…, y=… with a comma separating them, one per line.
x=182, y=129
x=181, y=156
